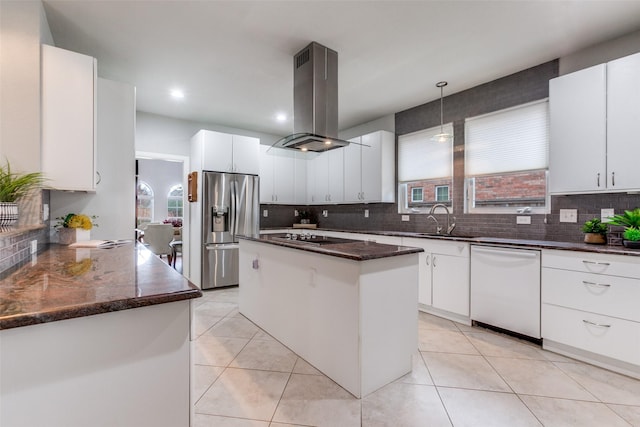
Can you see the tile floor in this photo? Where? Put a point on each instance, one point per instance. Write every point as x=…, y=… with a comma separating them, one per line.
x=462, y=376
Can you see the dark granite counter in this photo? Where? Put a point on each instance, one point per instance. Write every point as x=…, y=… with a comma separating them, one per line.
x=62, y=283
x=355, y=250
x=532, y=244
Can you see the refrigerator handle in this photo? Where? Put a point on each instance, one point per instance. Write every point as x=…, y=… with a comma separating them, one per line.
x=234, y=208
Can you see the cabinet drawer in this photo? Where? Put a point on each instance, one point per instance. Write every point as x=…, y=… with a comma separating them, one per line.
x=588, y=262
x=596, y=293
x=607, y=336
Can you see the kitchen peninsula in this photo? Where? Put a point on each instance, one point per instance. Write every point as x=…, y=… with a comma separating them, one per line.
x=347, y=307
x=95, y=337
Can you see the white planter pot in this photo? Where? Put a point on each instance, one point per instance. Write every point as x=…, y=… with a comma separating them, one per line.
x=8, y=213
x=67, y=236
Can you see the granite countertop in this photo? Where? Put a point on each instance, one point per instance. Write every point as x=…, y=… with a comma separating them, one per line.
x=63, y=283
x=532, y=244
x=355, y=250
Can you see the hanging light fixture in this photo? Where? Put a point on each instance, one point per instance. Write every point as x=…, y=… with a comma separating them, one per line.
x=442, y=136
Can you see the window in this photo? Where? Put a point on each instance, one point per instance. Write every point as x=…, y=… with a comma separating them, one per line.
x=442, y=193
x=174, y=202
x=417, y=194
x=144, y=204
x=423, y=167
x=506, y=160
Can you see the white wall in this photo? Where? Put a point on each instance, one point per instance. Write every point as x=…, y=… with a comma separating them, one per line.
x=161, y=175
x=114, y=199
x=601, y=53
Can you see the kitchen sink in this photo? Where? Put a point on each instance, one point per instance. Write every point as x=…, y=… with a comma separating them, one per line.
x=445, y=236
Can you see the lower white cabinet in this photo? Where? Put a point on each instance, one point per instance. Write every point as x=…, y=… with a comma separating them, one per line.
x=443, y=287
x=590, y=308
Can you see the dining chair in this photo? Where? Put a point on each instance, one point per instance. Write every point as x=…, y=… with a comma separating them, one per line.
x=157, y=238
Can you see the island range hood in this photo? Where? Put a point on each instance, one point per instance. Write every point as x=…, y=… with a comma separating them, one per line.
x=315, y=101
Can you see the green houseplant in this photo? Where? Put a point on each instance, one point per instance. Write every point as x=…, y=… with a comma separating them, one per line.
x=595, y=231
x=630, y=220
x=13, y=187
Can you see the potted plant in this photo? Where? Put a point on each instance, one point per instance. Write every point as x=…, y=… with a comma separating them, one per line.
x=74, y=228
x=631, y=221
x=595, y=231
x=13, y=187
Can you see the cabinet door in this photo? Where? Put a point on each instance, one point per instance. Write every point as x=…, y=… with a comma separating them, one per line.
x=335, y=159
x=623, y=123
x=353, y=171
x=245, y=154
x=283, y=176
x=371, y=167
x=318, y=179
x=266, y=174
x=217, y=152
x=425, y=283
x=577, y=149
x=68, y=119
x=300, y=179
x=450, y=283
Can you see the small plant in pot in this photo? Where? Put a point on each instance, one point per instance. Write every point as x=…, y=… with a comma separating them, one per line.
x=595, y=231
x=13, y=187
x=631, y=221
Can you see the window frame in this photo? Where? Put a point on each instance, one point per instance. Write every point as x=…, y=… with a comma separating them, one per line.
x=413, y=199
x=172, y=198
x=139, y=197
x=437, y=187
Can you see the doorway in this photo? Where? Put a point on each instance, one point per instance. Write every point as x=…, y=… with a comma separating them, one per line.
x=161, y=183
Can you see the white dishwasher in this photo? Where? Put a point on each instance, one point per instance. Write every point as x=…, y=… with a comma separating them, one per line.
x=505, y=288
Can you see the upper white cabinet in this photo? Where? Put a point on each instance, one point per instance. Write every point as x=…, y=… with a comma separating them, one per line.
x=325, y=177
x=223, y=152
x=595, y=116
x=369, y=168
x=68, y=120
x=282, y=176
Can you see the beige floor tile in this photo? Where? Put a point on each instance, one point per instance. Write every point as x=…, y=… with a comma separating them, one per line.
x=315, y=400
x=304, y=367
x=203, y=377
x=538, y=378
x=419, y=373
x=429, y=321
x=203, y=322
x=236, y=327
x=464, y=371
x=203, y=420
x=607, y=386
x=475, y=408
x=444, y=341
x=285, y=425
x=630, y=413
x=564, y=413
x=491, y=343
x=217, y=351
x=221, y=295
x=265, y=355
x=262, y=335
x=407, y=405
x=215, y=308
x=244, y=393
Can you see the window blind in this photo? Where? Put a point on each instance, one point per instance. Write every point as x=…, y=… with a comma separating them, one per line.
x=419, y=158
x=510, y=140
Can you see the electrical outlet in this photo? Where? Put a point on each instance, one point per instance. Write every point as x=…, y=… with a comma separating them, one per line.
x=568, y=215
x=296, y=213
x=45, y=212
x=265, y=213
x=405, y=217
x=366, y=213
x=606, y=214
x=523, y=219
x=325, y=213
x=34, y=246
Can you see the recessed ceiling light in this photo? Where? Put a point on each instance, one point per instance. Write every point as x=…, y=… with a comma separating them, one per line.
x=281, y=117
x=177, y=94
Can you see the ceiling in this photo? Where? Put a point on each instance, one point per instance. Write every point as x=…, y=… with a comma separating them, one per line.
x=234, y=59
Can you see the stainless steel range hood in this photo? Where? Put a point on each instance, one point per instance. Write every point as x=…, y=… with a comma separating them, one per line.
x=315, y=101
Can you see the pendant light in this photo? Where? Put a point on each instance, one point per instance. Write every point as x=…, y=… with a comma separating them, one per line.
x=442, y=136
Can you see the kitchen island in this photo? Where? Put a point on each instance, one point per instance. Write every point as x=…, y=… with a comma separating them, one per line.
x=96, y=337
x=347, y=307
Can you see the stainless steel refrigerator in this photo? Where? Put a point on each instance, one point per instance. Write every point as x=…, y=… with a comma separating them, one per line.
x=230, y=206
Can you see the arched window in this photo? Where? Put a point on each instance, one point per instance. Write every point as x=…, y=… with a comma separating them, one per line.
x=144, y=203
x=174, y=202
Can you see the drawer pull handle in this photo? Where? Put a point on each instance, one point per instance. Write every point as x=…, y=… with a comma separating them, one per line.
x=600, y=325
x=595, y=262
x=599, y=285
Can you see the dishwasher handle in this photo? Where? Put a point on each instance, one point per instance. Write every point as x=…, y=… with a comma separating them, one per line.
x=517, y=253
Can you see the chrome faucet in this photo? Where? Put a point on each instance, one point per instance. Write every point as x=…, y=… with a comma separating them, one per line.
x=438, y=226
x=450, y=225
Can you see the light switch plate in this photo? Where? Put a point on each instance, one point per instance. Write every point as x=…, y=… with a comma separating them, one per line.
x=568, y=215
x=606, y=214
x=366, y=213
x=523, y=219
x=405, y=217
x=325, y=213
x=265, y=213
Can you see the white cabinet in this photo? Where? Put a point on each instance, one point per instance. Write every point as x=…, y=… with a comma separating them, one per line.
x=589, y=308
x=443, y=271
x=595, y=111
x=223, y=152
x=369, y=168
x=325, y=178
x=283, y=176
x=68, y=120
